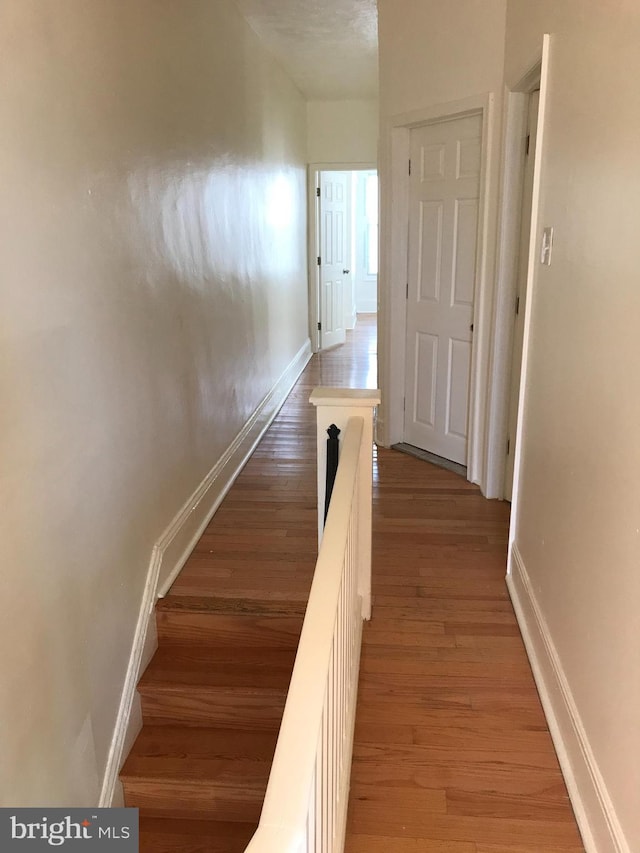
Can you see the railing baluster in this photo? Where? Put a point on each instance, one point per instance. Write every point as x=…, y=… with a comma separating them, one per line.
x=319, y=798
x=343, y=665
x=332, y=743
x=326, y=765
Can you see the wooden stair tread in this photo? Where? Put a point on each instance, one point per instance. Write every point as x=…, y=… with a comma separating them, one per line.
x=221, y=757
x=202, y=742
x=166, y=835
x=194, y=654
x=217, y=604
x=246, y=777
x=208, y=622
x=249, y=777
x=175, y=666
x=297, y=591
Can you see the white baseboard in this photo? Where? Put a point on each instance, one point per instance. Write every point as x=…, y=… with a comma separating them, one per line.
x=367, y=306
x=594, y=810
x=171, y=552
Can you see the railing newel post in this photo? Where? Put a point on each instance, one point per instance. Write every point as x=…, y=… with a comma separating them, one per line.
x=335, y=406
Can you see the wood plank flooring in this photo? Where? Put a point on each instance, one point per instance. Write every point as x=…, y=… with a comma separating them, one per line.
x=262, y=542
x=452, y=752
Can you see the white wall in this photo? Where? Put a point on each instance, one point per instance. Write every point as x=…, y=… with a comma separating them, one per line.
x=433, y=53
x=578, y=499
x=344, y=132
x=153, y=288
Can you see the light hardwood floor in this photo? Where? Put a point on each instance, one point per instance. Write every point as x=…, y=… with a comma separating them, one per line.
x=452, y=752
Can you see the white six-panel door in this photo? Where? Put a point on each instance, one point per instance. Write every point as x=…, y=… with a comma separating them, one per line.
x=334, y=255
x=443, y=225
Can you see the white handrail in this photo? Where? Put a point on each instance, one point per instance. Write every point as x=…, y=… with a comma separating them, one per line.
x=306, y=800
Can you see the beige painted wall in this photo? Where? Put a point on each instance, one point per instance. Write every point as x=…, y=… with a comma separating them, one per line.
x=432, y=53
x=153, y=288
x=342, y=132
x=578, y=527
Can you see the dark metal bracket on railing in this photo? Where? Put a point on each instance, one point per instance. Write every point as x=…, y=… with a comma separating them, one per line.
x=332, y=465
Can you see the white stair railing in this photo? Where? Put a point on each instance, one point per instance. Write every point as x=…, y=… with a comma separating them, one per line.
x=305, y=807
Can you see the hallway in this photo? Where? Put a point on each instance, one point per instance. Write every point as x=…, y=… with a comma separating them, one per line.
x=452, y=752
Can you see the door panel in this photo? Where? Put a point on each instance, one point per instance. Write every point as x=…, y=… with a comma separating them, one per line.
x=430, y=250
x=458, y=387
x=426, y=369
x=334, y=255
x=443, y=227
x=466, y=229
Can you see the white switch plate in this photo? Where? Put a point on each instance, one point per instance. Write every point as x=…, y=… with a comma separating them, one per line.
x=547, y=246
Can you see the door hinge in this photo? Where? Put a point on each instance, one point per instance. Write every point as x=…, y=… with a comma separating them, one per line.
x=319, y=260
x=508, y=446
x=409, y=166
x=528, y=145
x=517, y=305
x=407, y=291
x=318, y=191
x=319, y=327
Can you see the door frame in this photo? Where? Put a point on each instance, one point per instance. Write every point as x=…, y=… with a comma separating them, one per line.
x=532, y=275
x=313, y=238
x=394, y=215
x=516, y=104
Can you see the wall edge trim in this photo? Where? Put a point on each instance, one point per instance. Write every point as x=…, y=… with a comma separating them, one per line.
x=172, y=549
x=594, y=810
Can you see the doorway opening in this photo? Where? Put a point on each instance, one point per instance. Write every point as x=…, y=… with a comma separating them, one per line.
x=344, y=251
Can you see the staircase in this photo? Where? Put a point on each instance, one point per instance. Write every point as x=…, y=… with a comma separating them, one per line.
x=214, y=693
x=212, y=702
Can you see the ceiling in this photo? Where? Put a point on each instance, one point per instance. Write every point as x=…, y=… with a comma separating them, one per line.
x=328, y=47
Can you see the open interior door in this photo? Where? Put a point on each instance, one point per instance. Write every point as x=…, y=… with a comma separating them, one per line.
x=443, y=223
x=334, y=254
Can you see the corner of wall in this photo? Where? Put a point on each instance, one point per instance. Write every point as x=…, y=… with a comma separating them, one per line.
x=594, y=810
